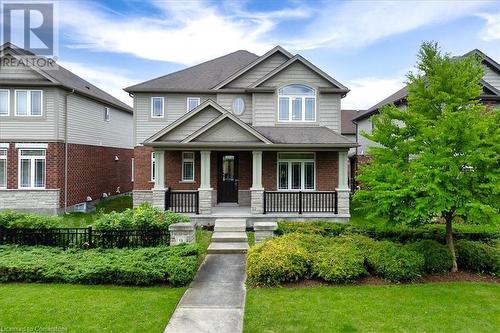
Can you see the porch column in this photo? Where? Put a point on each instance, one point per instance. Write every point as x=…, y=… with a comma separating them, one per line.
x=343, y=187
x=257, y=191
x=159, y=186
x=205, y=191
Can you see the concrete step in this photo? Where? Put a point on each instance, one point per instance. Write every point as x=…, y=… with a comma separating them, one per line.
x=229, y=236
x=230, y=225
x=227, y=248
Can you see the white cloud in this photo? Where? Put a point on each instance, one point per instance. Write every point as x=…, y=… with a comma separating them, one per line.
x=368, y=91
x=108, y=79
x=491, y=30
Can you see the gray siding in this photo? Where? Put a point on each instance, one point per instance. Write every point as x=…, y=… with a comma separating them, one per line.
x=297, y=73
x=226, y=101
x=258, y=71
x=492, y=77
x=364, y=125
x=192, y=125
x=224, y=131
x=86, y=124
x=264, y=109
x=175, y=107
x=20, y=72
x=328, y=111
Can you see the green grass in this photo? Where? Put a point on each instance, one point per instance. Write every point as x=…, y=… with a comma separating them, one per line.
x=87, y=308
x=251, y=238
x=445, y=307
x=203, y=238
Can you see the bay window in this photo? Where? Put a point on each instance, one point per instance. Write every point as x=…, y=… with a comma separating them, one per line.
x=296, y=171
x=3, y=168
x=28, y=102
x=296, y=103
x=32, y=168
x=4, y=102
x=187, y=166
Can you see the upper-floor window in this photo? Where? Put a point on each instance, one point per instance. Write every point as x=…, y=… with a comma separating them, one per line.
x=107, y=114
x=3, y=168
x=4, y=102
x=238, y=106
x=157, y=107
x=296, y=102
x=191, y=103
x=29, y=102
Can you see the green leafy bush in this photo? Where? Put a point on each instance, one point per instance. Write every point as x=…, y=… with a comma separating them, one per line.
x=13, y=219
x=437, y=257
x=145, y=266
x=143, y=217
x=276, y=261
x=478, y=257
x=394, y=261
x=338, y=262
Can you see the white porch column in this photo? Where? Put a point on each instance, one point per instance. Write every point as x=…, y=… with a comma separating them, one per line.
x=205, y=191
x=257, y=191
x=343, y=187
x=159, y=187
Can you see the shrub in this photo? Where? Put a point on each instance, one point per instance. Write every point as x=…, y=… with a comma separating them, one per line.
x=478, y=257
x=144, y=266
x=319, y=228
x=13, y=219
x=437, y=257
x=338, y=262
x=394, y=262
x=275, y=261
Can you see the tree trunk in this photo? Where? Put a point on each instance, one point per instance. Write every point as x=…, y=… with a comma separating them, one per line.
x=449, y=241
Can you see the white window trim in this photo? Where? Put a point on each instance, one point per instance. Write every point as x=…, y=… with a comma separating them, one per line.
x=4, y=145
x=192, y=98
x=162, y=108
x=28, y=93
x=302, y=173
x=184, y=159
x=107, y=114
x=32, y=165
x=32, y=145
x=243, y=103
x=152, y=166
x=4, y=158
x=8, y=103
x=290, y=106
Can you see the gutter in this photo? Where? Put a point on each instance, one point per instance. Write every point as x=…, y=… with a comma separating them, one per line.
x=66, y=149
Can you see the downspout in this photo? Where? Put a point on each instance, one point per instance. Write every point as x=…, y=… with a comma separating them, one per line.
x=66, y=149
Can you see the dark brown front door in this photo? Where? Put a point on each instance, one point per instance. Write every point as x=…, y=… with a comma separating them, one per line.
x=227, y=169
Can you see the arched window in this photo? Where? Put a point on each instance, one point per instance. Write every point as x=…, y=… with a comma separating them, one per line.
x=296, y=102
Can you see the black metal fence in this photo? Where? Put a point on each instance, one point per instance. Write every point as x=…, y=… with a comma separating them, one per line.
x=300, y=202
x=182, y=201
x=84, y=237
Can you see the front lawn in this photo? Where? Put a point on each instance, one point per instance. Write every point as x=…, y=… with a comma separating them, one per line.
x=82, y=220
x=76, y=308
x=444, y=307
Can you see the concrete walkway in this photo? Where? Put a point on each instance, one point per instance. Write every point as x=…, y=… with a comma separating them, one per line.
x=215, y=301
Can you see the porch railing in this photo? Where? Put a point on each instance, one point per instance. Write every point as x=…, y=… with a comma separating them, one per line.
x=182, y=201
x=300, y=202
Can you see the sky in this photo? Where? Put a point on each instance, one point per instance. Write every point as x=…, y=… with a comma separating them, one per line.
x=368, y=46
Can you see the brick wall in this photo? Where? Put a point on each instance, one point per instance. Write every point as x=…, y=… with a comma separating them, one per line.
x=269, y=170
x=142, y=168
x=245, y=170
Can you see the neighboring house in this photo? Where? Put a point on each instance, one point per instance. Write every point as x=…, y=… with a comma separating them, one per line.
x=243, y=135
x=490, y=96
x=348, y=129
x=63, y=141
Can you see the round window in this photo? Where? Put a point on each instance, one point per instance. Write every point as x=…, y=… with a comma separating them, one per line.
x=238, y=106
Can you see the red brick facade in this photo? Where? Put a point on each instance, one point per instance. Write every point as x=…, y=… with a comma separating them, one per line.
x=92, y=170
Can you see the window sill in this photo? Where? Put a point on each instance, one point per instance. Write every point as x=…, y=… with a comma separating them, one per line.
x=187, y=181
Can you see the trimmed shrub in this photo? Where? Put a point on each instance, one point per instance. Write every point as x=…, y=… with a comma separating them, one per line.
x=394, y=262
x=437, y=257
x=13, y=219
x=146, y=266
x=478, y=257
x=276, y=261
x=338, y=262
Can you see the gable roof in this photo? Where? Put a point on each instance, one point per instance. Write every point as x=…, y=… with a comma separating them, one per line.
x=308, y=64
x=257, y=61
x=347, y=127
x=397, y=98
x=199, y=77
x=60, y=76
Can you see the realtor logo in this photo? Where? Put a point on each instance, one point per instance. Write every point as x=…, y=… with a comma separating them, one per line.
x=29, y=25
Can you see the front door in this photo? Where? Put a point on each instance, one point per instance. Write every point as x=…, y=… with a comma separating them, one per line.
x=227, y=169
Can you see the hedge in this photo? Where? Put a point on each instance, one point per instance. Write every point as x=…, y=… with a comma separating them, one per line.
x=478, y=257
x=146, y=266
x=437, y=257
x=13, y=219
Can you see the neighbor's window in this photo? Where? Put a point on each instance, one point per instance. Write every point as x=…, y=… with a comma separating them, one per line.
x=296, y=102
x=296, y=171
x=187, y=166
x=192, y=102
x=28, y=102
x=4, y=102
x=3, y=168
x=153, y=162
x=32, y=168
x=107, y=115
x=157, y=107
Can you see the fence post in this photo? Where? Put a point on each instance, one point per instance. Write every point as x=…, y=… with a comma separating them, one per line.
x=264, y=203
x=167, y=198
x=300, y=202
x=197, y=202
x=90, y=237
x=336, y=203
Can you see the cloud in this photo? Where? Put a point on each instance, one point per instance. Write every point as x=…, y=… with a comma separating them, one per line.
x=368, y=91
x=491, y=30
x=108, y=79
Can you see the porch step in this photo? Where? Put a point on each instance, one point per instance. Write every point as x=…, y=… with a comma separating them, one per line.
x=227, y=248
x=229, y=237
x=230, y=225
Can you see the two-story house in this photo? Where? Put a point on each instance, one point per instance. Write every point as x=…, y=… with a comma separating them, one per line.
x=63, y=141
x=252, y=136
x=490, y=96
